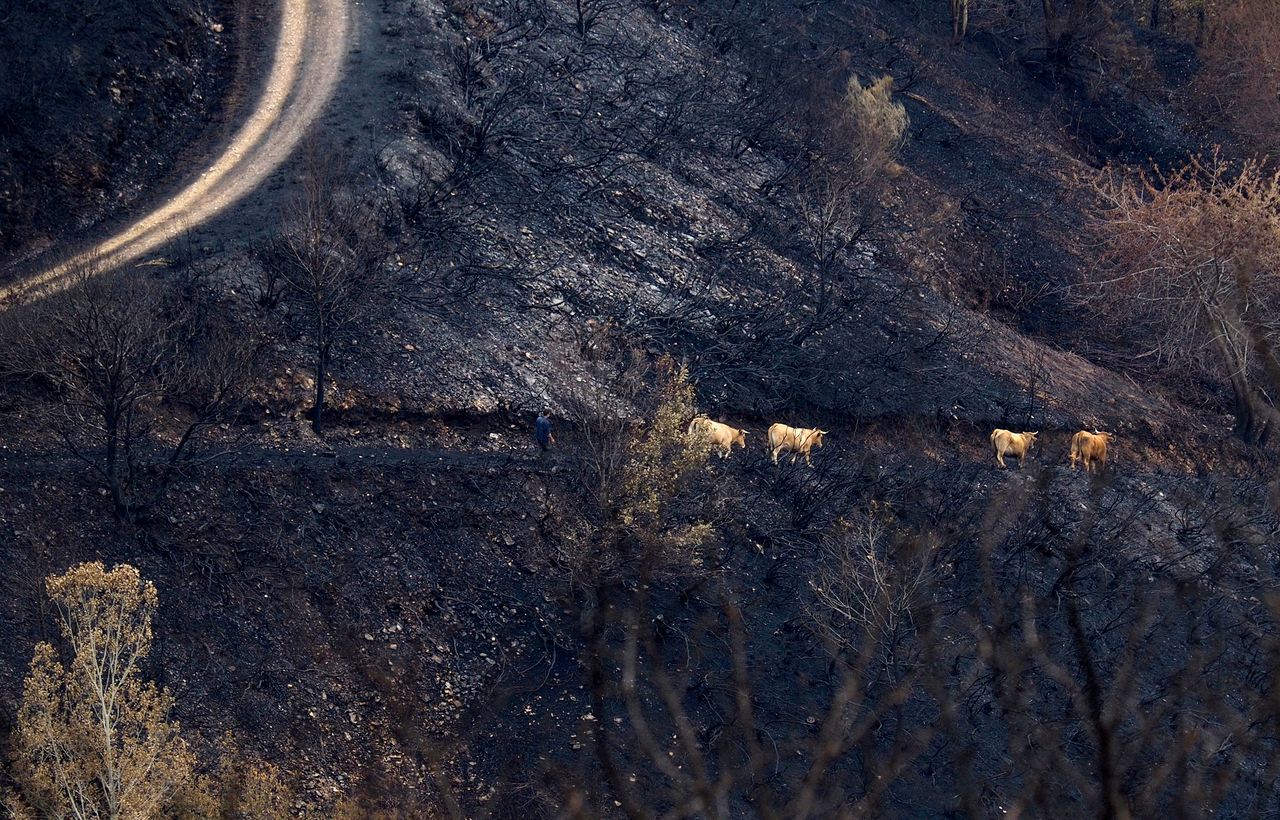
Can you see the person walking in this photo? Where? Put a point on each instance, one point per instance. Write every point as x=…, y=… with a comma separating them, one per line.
x=542, y=431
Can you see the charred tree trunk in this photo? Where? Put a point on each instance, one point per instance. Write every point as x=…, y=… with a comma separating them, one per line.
x=1251, y=425
x=1052, y=30
x=115, y=485
x=959, y=20
x=322, y=375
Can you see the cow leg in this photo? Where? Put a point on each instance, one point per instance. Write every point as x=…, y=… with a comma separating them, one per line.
x=1000, y=459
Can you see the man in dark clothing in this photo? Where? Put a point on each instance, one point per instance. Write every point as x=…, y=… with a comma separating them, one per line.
x=542, y=430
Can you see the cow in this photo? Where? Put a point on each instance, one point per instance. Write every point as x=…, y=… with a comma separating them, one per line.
x=719, y=435
x=1089, y=449
x=1008, y=443
x=795, y=440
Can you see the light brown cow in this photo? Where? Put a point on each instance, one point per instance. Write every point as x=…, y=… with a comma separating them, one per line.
x=795, y=440
x=1090, y=449
x=1007, y=443
x=719, y=435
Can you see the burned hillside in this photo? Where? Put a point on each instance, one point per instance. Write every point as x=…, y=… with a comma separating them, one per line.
x=99, y=102
x=899, y=225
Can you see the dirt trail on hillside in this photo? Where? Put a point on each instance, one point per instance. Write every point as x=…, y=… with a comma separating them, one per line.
x=305, y=67
x=526, y=460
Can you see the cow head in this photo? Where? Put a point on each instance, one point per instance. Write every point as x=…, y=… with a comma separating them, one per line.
x=1031, y=437
x=739, y=438
x=817, y=437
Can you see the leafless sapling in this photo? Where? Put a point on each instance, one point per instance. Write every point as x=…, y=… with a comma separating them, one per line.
x=137, y=376
x=339, y=267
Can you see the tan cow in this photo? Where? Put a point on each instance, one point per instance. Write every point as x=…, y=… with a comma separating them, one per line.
x=719, y=435
x=1008, y=443
x=1090, y=449
x=795, y=440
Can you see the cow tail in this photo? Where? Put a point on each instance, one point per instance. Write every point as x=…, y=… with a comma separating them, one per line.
x=993, y=436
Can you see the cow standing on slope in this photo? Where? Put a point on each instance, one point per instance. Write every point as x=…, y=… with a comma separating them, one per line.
x=1008, y=443
x=1090, y=449
x=719, y=435
x=795, y=440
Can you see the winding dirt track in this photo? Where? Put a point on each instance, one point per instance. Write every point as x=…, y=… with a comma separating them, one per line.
x=305, y=68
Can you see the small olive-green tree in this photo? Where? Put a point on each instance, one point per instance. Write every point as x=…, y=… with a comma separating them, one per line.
x=854, y=155
x=850, y=158
x=638, y=479
x=94, y=738
x=661, y=461
x=870, y=126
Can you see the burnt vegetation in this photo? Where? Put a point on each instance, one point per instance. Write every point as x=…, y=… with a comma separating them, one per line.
x=304, y=462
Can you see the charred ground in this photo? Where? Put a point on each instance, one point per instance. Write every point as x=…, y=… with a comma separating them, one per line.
x=584, y=178
x=101, y=102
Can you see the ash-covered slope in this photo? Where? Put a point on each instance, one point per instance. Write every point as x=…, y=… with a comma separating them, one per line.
x=647, y=172
x=583, y=179
x=98, y=99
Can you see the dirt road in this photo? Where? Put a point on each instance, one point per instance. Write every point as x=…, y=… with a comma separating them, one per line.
x=305, y=68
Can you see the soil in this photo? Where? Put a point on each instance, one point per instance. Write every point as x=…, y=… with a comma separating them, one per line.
x=305, y=64
x=378, y=611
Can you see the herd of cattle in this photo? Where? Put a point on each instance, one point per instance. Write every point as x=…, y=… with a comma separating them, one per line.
x=1087, y=449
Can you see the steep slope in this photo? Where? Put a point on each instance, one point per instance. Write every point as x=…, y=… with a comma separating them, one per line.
x=679, y=225
x=388, y=613
x=99, y=101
